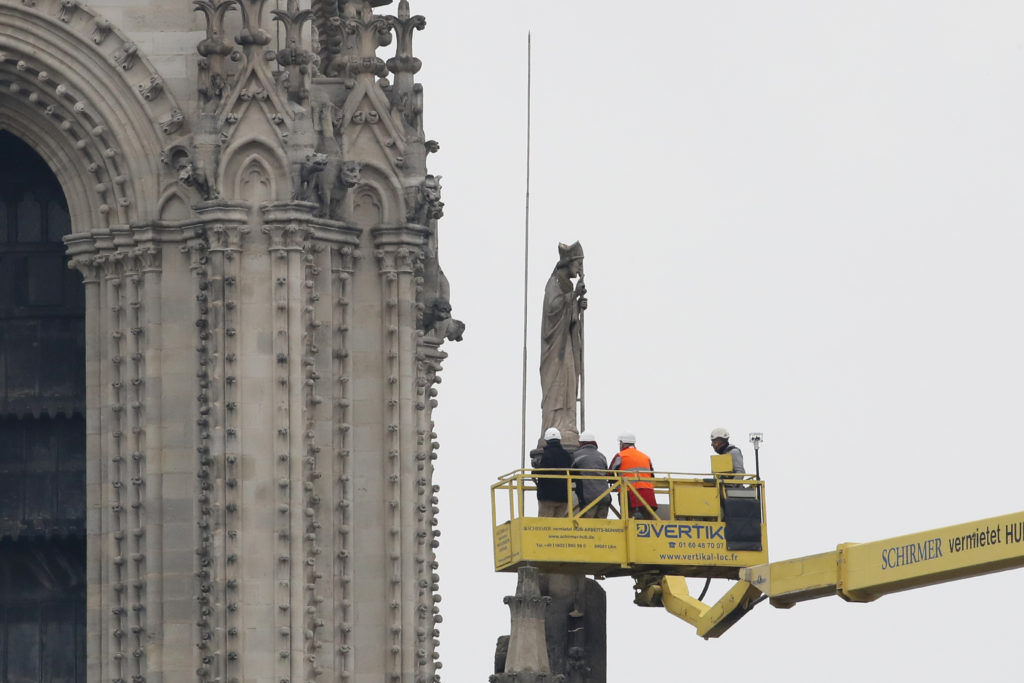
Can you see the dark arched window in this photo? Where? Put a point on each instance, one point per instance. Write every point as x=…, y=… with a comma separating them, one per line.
x=42, y=428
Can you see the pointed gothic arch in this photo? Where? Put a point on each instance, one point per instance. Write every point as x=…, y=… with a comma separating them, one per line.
x=377, y=198
x=246, y=160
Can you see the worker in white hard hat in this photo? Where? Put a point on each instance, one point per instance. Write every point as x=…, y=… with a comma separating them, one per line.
x=594, y=465
x=553, y=495
x=636, y=466
x=720, y=442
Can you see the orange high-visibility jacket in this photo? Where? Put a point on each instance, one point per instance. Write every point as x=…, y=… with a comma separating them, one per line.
x=635, y=464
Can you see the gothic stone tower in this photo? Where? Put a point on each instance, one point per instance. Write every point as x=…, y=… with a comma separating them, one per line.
x=249, y=209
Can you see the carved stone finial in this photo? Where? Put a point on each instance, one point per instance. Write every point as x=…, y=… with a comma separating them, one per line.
x=404, y=27
x=214, y=11
x=252, y=33
x=293, y=56
x=213, y=49
x=406, y=95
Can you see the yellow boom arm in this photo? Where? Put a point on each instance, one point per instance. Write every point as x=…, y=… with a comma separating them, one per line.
x=862, y=572
x=858, y=572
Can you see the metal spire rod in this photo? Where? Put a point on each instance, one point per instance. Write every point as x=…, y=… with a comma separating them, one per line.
x=526, y=244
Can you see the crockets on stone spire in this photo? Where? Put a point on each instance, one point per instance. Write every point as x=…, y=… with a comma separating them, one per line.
x=293, y=57
x=353, y=34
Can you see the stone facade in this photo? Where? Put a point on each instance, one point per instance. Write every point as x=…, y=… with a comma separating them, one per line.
x=264, y=309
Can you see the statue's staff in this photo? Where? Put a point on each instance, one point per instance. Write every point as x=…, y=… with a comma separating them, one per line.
x=581, y=399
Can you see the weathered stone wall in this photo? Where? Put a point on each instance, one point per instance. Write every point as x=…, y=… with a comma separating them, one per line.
x=167, y=32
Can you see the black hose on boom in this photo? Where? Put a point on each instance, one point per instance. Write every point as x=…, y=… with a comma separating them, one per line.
x=704, y=592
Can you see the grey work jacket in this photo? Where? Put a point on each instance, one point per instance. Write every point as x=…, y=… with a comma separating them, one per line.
x=589, y=458
x=737, y=459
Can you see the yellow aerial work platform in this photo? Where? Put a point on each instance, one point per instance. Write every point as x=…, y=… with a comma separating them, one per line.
x=705, y=525
x=713, y=526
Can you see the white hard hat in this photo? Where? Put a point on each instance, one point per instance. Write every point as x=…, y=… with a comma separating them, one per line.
x=551, y=434
x=627, y=437
x=720, y=433
x=587, y=435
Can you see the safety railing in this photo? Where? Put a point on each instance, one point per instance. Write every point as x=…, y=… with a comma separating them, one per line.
x=677, y=495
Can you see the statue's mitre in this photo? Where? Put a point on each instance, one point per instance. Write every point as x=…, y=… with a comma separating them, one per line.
x=568, y=252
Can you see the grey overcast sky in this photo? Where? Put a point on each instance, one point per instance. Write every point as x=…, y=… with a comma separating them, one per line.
x=799, y=217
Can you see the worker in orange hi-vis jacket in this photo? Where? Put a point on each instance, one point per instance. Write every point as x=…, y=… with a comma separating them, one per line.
x=636, y=466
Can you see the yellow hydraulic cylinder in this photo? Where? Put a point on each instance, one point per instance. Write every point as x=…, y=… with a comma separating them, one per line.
x=711, y=620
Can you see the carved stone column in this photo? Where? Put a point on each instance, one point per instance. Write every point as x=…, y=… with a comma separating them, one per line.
x=128, y=562
x=304, y=518
x=428, y=364
x=91, y=277
x=330, y=263
x=216, y=255
x=399, y=255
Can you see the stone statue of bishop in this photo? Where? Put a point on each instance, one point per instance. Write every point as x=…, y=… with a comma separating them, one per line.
x=561, y=344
